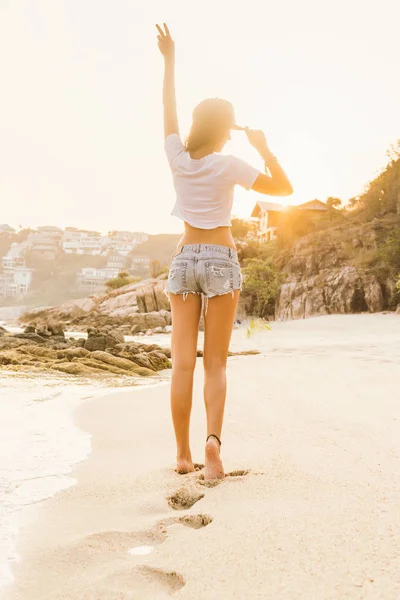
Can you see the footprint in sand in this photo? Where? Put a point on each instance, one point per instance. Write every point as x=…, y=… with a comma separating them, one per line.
x=140, y=582
x=184, y=497
x=210, y=483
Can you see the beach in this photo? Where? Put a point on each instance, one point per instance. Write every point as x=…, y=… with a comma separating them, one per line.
x=310, y=504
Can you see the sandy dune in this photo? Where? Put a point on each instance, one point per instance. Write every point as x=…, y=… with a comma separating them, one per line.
x=310, y=509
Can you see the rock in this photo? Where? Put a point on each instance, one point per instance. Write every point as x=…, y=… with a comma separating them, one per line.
x=154, y=319
x=121, y=363
x=159, y=360
x=96, y=342
x=100, y=367
x=49, y=329
x=168, y=329
x=167, y=316
x=8, y=342
x=39, y=351
x=398, y=309
x=71, y=353
x=3, y=331
x=100, y=340
x=333, y=291
x=138, y=323
x=73, y=368
x=142, y=361
x=33, y=337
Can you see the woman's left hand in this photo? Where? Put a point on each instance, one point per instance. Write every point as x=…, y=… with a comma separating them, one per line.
x=165, y=42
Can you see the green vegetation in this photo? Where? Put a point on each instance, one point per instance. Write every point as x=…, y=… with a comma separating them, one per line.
x=261, y=285
x=123, y=278
x=257, y=325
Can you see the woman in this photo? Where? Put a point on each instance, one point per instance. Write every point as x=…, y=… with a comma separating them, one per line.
x=205, y=271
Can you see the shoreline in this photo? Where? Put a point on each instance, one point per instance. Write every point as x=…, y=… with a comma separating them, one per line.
x=311, y=510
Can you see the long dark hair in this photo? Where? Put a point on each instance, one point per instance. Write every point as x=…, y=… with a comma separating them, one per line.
x=212, y=119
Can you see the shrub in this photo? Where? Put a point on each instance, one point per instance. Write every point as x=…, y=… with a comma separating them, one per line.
x=122, y=279
x=261, y=286
x=389, y=252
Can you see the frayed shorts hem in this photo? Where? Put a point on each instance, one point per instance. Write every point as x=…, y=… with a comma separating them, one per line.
x=204, y=297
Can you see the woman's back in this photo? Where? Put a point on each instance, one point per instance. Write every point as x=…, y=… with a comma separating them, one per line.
x=205, y=186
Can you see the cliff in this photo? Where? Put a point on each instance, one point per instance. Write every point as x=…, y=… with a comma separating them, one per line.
x=339, y=270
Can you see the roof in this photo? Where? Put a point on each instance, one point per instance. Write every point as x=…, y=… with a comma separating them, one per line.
x=312, y=205
x=6, y=228
x=267, y=206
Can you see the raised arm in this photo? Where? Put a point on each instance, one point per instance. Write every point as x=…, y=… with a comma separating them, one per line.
x=278, y=183
x=167, y=49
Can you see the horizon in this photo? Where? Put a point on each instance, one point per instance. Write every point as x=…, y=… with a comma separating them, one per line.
x=82, y=108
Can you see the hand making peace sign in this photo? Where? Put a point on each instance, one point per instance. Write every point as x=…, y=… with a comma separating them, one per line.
x=165, y=42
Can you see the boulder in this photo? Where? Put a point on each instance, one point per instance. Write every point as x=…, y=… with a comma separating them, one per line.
x=33, y=337
x=154, y=319
x=138, y=323
x=142, y=360
x=100, y=340
x=73, y=368
x=116, y=361
x=128, y=347
x=96, y=342
x=159, y=360
x=71, y=353
x=334, y=291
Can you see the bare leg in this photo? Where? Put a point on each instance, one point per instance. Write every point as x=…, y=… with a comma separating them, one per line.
x=185, y=328
x=218, y=330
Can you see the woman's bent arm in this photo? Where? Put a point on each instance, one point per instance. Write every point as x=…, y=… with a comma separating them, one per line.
x=167, y=49
x=276, y=185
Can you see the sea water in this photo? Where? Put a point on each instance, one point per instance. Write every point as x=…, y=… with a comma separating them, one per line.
x=39, y=445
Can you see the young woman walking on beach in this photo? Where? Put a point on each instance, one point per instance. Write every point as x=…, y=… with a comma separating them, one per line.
x=205, y=272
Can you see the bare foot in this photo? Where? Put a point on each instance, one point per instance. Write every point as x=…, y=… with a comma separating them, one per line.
x=184, y=465
x=213, y=464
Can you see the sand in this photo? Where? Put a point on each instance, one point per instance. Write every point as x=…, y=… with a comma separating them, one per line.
x=310, y=509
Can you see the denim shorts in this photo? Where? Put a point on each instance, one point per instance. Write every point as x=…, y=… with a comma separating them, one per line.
x=205, y=269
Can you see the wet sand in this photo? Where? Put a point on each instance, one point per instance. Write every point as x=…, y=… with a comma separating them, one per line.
x=310, y=508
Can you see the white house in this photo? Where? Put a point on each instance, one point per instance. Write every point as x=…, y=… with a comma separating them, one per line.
x=15, y=281
x=93, y=280
x=82, y=242
x=6, y=229
x=15, y=255
x=267, y=214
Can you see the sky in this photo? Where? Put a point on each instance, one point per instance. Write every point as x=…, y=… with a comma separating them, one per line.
x=81, y=138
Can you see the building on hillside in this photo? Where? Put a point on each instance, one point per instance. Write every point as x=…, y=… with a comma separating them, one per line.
x=15, y=282
x=116, y=260
x=44, y=245
x=125, y=241
x=6, y=229
x=51, y=230
x=140, y=266
x=82, y=242
x=267, y=214
x=93, y=281
x=313, y=205
x=15, y=255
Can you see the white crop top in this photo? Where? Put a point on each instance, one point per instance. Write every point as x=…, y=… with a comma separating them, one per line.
x=204, y=187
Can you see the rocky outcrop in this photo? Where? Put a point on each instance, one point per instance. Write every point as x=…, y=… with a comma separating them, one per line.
x=132, y=309
x=104, y=352
x=326, y=275
x=343, y=290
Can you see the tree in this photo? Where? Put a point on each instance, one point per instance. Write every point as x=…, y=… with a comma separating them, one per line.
x=261, y=285
x=241, y=228
x=333, y=202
